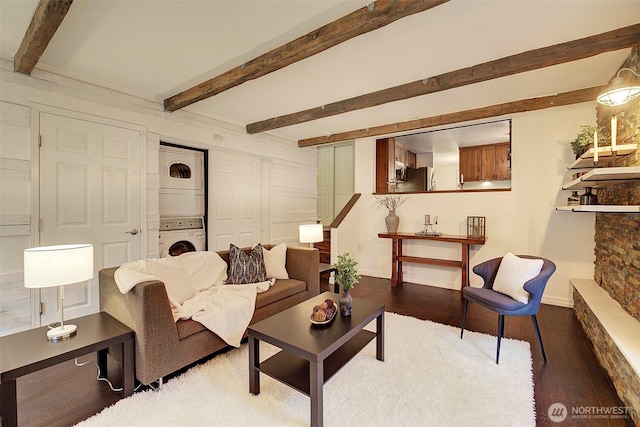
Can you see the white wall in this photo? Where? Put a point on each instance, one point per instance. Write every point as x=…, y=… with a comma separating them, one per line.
x=289, y=173
x=522, y=221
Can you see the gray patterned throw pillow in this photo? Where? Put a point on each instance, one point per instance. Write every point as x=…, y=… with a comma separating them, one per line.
x=246, y=267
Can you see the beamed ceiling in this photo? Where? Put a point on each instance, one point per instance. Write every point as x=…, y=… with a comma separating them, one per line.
x=315, y=72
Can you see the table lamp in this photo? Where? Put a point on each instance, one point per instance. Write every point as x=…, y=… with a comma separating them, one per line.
x=311, y=233
x=59, y=265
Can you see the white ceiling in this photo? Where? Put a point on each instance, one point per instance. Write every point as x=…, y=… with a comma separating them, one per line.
x=157, y=48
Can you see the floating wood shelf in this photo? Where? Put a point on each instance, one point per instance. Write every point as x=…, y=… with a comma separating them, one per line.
x=600, y=208
x=604, y=154
x=601, y=177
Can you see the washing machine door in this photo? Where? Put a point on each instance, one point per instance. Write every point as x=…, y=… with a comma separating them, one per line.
x=180, y=247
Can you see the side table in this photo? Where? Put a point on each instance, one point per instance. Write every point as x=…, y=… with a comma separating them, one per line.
x=30, y=351
x=329, y=268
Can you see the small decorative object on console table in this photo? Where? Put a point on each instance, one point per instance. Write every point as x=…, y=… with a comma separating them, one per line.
x=429, y=227
x=346, y=276
x=391, y=202
x=475, y=226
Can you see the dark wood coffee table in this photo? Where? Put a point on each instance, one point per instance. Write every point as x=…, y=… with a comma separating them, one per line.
x=312, y=354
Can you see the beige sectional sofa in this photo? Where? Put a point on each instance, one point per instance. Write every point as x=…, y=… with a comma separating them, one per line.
x=163, y=346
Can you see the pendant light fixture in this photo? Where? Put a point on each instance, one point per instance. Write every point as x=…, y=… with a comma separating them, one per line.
x=620, y=92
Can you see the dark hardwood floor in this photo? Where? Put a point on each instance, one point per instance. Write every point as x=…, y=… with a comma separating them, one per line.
x=66, y=394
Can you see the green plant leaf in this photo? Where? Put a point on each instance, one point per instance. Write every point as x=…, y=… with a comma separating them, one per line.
x=347, y=271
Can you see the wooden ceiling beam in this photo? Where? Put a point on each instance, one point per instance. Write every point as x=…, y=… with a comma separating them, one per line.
x=44, y=23
x=514, y=64
x=376, y=15
x=497, y=110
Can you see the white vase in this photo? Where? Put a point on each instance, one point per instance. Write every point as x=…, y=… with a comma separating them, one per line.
x=392, y=221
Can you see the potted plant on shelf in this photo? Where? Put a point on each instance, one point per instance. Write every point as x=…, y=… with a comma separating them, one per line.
x=347, y=276
x=584, y=139
x=391, y=202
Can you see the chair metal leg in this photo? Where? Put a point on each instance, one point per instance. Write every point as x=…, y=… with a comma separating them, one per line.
x=464, y=316
x=535, y=326
x=500, y=335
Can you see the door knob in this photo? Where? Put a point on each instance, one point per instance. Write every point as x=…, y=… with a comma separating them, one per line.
x=133, y=231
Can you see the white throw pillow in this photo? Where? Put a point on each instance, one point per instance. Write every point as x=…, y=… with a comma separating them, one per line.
x=513, y=273
x=275, y=260
x=176, y=280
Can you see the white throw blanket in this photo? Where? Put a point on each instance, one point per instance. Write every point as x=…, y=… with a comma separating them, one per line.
x=195, y=286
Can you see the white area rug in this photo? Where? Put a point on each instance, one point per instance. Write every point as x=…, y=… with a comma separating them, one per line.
x=430, y=377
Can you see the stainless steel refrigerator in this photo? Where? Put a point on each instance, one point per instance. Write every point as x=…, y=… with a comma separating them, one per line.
x=420, y=179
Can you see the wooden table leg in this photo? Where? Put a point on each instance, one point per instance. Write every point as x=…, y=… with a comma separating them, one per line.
x=380, y=337
x=9, y=404
x=399, y=262
x=102, y=362
x=316, y=377
x=254, y=364
x=394, y=262
x=465, y=268
x=128, y=368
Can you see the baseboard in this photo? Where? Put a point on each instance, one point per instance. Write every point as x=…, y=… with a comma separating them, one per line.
x=411, y=279
x=561, y=302
x=551, y=300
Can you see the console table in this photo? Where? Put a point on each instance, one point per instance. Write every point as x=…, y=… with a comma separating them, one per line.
x=397, y=258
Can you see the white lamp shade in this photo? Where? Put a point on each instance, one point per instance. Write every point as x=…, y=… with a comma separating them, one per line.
x=311, y=233
x=58, y=265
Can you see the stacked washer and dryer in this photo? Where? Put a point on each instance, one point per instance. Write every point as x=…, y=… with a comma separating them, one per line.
x=182, y=200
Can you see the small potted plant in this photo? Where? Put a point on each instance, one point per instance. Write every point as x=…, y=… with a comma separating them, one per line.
x=584, y=139
x=346, y=276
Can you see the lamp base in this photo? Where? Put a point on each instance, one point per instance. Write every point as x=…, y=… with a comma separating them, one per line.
x=61, y=332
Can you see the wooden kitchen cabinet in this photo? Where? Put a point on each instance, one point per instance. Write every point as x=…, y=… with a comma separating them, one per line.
x=385, y=164
x=387, y=153
x=401, y=154
x=503, y=161
x=411, y=159
x=486, y=162
x=470, y=163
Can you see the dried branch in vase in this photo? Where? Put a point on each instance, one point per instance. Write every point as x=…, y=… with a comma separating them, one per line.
x=391, y=202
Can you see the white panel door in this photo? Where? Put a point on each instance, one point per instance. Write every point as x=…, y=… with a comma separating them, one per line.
x=89, y=193
x=343, y=176
x=235, y=199
x=325, y=185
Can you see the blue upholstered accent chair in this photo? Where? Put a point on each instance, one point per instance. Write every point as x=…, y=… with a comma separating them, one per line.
x=504, y=304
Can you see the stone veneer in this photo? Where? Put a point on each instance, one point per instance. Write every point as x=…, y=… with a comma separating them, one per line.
x=625, y=380
x=617, y=252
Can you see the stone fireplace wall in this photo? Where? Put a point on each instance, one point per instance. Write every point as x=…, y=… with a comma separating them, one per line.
x=617, y=236
x=617, y=252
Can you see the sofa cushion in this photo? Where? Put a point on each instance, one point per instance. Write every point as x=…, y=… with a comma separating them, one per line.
x=275, y=260
x=246, y=267
x=281, y=290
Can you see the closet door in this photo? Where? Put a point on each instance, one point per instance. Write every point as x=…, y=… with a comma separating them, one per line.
x=343, y=176
x=335, y=180
x=90, y=192
x=325, y=184
x=234, y=199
